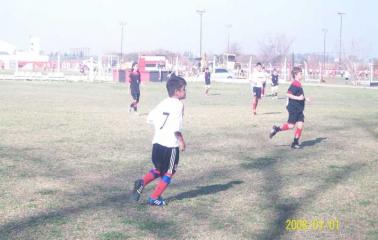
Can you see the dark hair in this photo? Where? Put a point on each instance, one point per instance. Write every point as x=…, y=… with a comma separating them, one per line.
x=295, y=71
x=175, y=83
x=133, y=65
x=258, y=64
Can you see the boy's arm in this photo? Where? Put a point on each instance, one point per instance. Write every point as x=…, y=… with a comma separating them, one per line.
x=151, y=116
x=291, y=96
x=180, y=138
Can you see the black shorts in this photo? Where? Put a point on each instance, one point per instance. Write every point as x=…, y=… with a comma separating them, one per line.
x=135, y=94
x=295, y=117
x=257, y=92
x=165, y=159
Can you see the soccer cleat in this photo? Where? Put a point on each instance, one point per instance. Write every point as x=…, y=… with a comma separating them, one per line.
x=274, y=131
x=156, y=202
x=138, y=189
x=295, y=146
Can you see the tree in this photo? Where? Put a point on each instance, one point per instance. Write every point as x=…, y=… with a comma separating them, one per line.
x=274, y=48
x=236, y=48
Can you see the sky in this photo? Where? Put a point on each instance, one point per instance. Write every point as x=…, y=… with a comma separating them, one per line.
x=174, y=25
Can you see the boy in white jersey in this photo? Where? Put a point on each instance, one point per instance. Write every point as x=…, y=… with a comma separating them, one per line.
x=257, y=80
x=168, y=140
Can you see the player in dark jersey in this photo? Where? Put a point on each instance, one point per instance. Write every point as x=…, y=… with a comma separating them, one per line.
x=207, y=81
x=274, y=83
x=295, y=108
x=134, y=80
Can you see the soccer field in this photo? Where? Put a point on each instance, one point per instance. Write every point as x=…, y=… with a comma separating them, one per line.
x=70, y=152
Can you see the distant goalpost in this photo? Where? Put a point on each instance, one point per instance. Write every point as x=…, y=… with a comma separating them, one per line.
x=367, y=78
x=373, y=79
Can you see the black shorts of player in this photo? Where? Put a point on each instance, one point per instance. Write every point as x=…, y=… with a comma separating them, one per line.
x=207, y=82
x=295, y=117
x=165, y=159
x=135, y=94
x=257, y=92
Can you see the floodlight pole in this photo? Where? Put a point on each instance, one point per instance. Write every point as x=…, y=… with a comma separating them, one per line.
x=341, y=27
x=324, y=30
x=229, y=26
x=123, y=24
x=200, y=12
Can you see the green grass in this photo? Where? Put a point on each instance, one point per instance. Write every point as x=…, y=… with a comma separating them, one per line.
x=69, y=153
x=113, y=236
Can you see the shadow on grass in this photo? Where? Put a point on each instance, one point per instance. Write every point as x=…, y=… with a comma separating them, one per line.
x=271, y=113
x=61, y=216
x=34, y=161
x=204, y=190
x=259, y=163
x=18, y=226
x=313, y=142
x=287, y=208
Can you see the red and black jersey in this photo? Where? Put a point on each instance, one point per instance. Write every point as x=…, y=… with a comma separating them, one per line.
x=134, y=78
x=296, y=90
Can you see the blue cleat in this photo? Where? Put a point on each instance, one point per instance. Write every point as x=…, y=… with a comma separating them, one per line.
x=138, y=189
x=156, y=202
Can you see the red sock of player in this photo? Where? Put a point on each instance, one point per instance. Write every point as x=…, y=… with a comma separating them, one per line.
x=298, y=133
x=150, y=176
x=162, y=185
x=284, y=127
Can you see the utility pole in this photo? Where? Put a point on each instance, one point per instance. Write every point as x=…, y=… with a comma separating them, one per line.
x=200, y=12
x=341, y=27
x=229, y=26
x=324, y=30
x=123, y=24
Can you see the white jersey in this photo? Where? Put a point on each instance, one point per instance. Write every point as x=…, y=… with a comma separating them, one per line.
x=258, y=78
x=167, y=119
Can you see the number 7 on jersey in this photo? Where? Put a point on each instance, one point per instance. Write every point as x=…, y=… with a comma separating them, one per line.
x=167, y=115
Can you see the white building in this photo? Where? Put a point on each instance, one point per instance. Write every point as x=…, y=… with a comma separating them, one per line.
x=11, y=58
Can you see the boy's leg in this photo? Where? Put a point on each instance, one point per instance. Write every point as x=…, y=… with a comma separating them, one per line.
x=276, y=129
x=137, y=191
x=170, y=164
x=136, y=101
x=131, y=106
x=141, y=183
x=254, y=104
x=161, y=186
x=150, y=176
x=298, y=132
x=286, y=126
x=297, y=135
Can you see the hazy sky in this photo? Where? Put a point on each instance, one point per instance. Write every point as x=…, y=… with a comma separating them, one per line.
x=174, y=24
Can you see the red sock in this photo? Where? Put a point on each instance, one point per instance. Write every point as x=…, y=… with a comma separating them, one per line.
x=284, y=127
x=162, y=185
x=150, y=176
x=298, y=133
